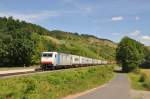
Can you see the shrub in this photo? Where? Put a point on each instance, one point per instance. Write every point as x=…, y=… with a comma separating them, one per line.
x=147, y=83
x=142, y=77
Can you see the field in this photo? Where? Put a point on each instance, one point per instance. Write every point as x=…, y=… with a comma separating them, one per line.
x=55, y=85
x=141, y=80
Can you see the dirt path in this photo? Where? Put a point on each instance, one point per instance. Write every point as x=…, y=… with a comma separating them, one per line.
x=118, y=88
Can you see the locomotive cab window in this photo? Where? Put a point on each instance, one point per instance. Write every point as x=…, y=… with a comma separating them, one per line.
x=47, y=54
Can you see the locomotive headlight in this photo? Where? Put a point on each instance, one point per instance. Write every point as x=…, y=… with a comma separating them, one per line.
x=52, y=60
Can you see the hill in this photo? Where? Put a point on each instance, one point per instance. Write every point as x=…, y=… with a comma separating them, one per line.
x=22, y=42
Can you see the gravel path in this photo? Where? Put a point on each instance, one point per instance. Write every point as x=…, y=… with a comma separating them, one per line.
x=118, y=88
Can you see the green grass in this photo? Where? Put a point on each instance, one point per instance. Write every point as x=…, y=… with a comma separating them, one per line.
x=55, y=85
x=135, y=83
x=141, y=80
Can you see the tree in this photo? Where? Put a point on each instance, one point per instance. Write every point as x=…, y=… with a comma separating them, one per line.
x=147, y=53
x=146, y=63
x=130, y=54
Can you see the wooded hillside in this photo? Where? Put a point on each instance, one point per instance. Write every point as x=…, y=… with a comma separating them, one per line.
x=21, y=43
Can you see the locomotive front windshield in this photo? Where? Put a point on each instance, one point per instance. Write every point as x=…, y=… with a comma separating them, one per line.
x=47, y=55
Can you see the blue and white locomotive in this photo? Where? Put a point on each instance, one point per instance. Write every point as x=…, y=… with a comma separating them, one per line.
x=55, y=59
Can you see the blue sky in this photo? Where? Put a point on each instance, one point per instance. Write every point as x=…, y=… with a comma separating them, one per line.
x=111, y=19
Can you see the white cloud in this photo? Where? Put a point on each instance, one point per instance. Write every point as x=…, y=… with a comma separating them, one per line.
x=135, y=33
x=30, y=17
x=117, y=18
x=145, y=38
x=137, y=18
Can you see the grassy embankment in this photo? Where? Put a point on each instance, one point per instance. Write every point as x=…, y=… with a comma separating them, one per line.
x=141, y=80
x=55, y=85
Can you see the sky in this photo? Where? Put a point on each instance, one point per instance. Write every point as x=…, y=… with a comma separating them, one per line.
x=110, y=19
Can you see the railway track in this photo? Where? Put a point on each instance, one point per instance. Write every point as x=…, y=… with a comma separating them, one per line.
x=17, y=73
x=10, y=73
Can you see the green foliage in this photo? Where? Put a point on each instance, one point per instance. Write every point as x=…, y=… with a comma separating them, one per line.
x=135, y=81
x=142, y=77
x=16, y=44
x=140, y=81
x=130, y=54
x=146, y=63
x=147, y=83
x=55, y=85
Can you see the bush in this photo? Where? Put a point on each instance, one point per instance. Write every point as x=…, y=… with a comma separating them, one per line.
x=142, y=77
x=147, y=83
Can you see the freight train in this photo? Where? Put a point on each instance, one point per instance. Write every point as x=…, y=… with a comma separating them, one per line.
x=52, y=60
